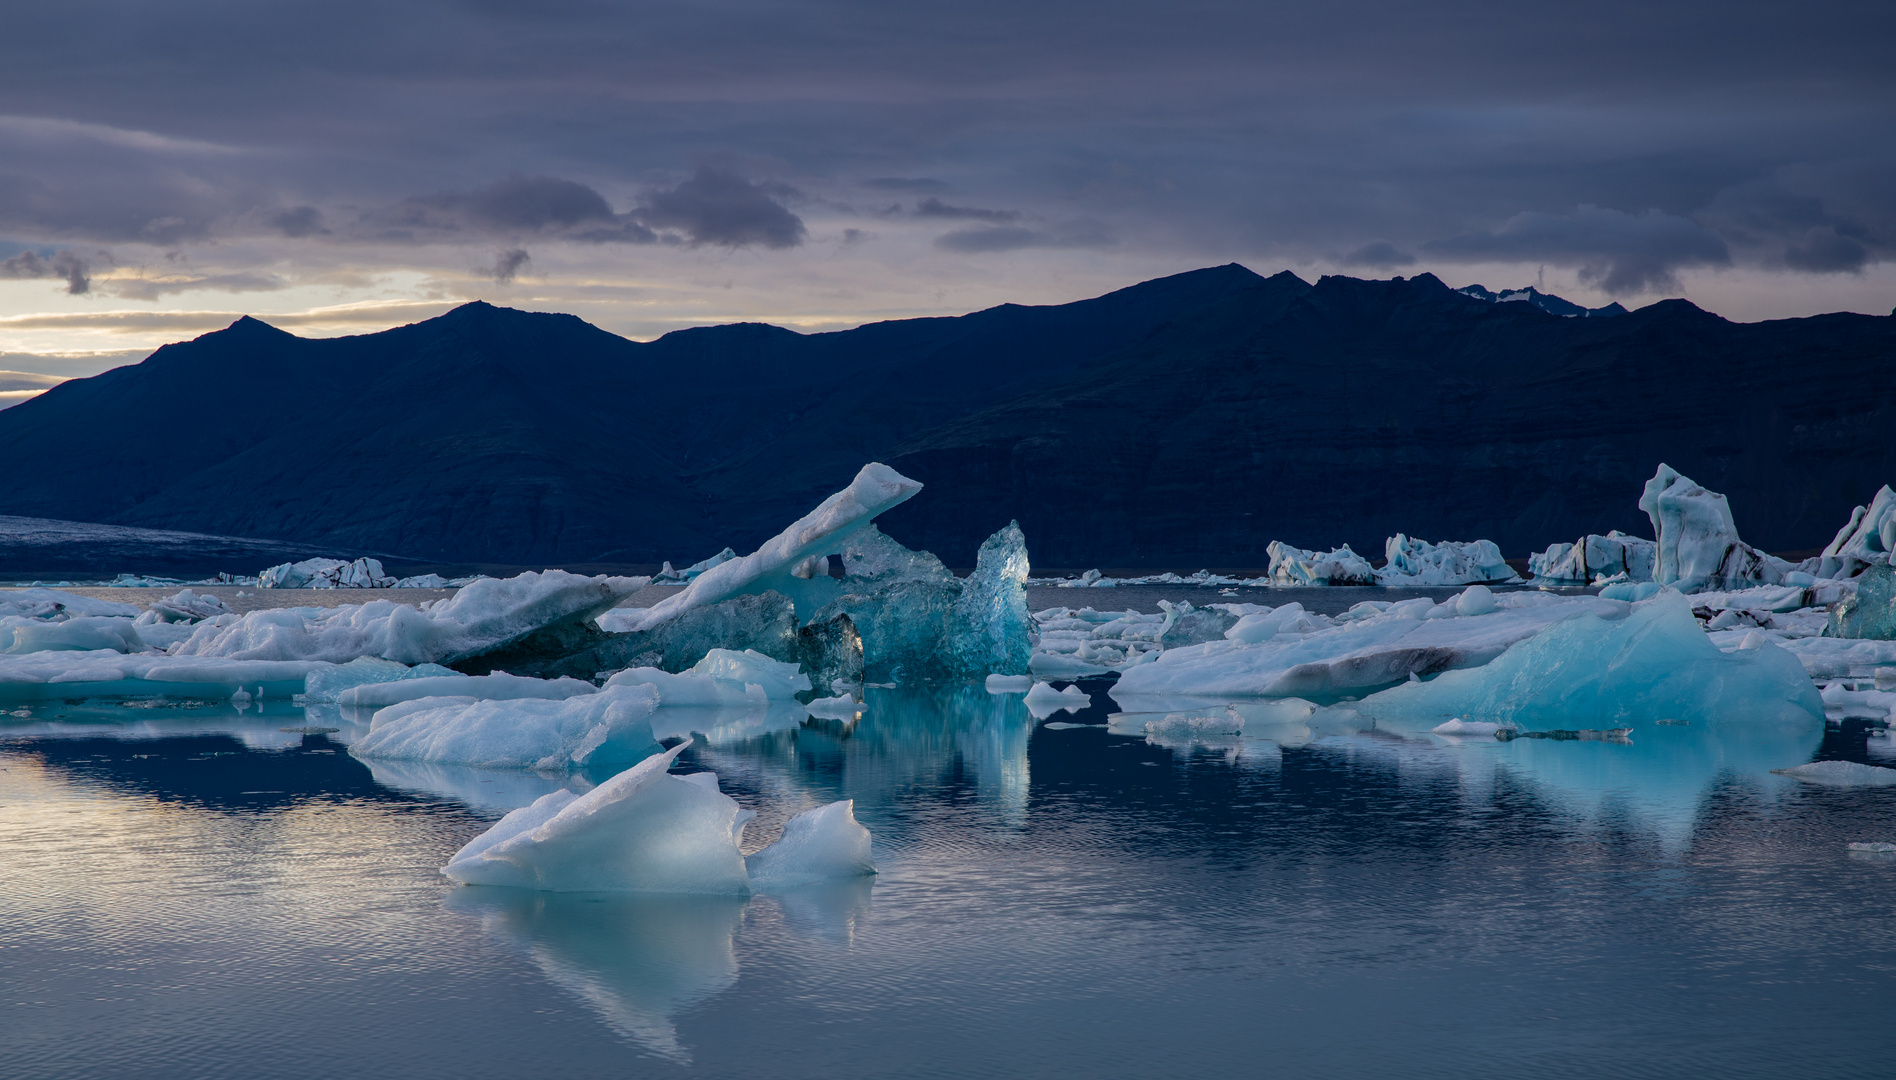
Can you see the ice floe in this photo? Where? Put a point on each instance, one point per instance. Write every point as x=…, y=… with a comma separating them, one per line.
x=648, y=830
x=610, y=727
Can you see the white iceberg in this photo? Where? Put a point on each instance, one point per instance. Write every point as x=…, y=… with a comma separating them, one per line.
x=479, y=618
x=1451, y=562
x=644, y=830
x=1865, y=540
x=611, y=727
x=1295, y=566
x=40, y=676
x=325, y=684
x=364, y=573
x=1593, y=558
x=823, y=844
x=725, y=677
x=82, y=634
x=1698, y=547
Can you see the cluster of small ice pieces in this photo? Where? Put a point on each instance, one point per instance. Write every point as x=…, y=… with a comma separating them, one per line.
x=1407, y=562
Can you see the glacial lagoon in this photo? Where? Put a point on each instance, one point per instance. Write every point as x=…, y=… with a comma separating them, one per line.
x=191, y=890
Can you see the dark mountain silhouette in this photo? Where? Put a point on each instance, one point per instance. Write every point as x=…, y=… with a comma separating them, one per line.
x=1185, y=421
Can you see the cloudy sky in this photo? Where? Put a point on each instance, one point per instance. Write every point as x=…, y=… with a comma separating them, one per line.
x=348, y=166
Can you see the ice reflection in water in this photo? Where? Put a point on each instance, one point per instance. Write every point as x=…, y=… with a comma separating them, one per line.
x=1335, y=898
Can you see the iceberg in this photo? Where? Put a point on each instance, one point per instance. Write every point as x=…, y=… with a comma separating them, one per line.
x=364, y=573
x=644, y=830
x=1374, y=645
x=1865, y=540
x=647, y=830
x=1295, y=566
x=1870, y=611
x=82, y=634
x=989, y=630
x=723, y=678
x=1605, y=667
x=823, y=844
x=610, y=727
x=40, y=603
x=486, y=615
x=1592, y=558
x=1698, y=546
x=1451, y=562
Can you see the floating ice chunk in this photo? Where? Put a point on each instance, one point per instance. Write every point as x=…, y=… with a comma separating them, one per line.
x=1594, y=557
x=609, y=727
x=1295, y=566
x=1009, y=684
x=779, y=680
x=1451, y=562
x=324, y=686
x=1870, y=612
x=840, y=707
x=823, y=844
x=364, y=573
x=1698, y=545
x=644, y=830
x=1841, y=774
x=1459, y=726
x=1653, y=662
x=496, y=687
x=83, y=634
x=820, y=532
x=1865, y=540
x=483, y=616
x=187, y=606
x=689, y=690
x=39, y=676
x=40, y=603
x=1374, y=650
x=989, y=629
x=1043, y=700
x=1475, y=600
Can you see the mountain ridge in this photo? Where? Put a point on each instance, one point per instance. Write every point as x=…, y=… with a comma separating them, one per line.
x=1187, y=419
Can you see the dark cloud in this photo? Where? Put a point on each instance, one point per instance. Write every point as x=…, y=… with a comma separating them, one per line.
x=934, y=208
x=60, y=264
x=1378, y=255
x=903, y=183
x=513, y=204
x=1624, y=253
x=722, y=208
x=1822, y=251
x=298, y=222
x=155, y=288
x=985, y=239
x=507, y=264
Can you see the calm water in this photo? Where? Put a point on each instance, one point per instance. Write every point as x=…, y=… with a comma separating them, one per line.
x=195, y=893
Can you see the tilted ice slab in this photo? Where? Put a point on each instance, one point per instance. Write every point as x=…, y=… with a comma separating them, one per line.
x=1605, y=667
x=646, y=830
x=481, y=617
x=1384, y=646
x=602, y=729
x=791, y=553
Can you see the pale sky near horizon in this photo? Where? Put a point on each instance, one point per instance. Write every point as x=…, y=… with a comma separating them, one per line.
x=819, y=163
